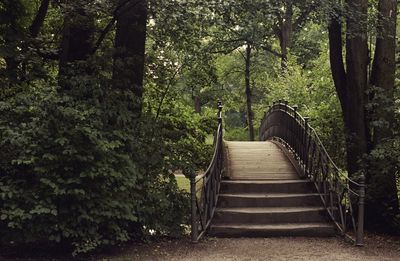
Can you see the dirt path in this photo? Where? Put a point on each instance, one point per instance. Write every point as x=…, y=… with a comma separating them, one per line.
x=377, y=248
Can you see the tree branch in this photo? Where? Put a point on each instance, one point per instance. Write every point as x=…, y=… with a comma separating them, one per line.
x=243, y=56
x=48, y=55
x=111, y=24
x=269, y=49
x=37, y=23
x=164, y=95
x=103, y=34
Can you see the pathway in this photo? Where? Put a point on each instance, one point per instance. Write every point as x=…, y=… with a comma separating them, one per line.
x=299, y=248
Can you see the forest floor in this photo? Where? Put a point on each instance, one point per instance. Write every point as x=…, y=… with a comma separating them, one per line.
x=335, y=248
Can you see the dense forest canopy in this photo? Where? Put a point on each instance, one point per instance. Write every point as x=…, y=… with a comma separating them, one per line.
x=101, y=102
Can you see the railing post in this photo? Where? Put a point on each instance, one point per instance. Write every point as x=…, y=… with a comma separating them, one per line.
x=306, y=156
x=286, y=121
x=360, y=225
x=219, y=111
x=194, y=232
x=295, y=132
x=262, y=127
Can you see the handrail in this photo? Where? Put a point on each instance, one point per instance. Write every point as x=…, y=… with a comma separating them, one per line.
x=342, y=196
x=204, y=189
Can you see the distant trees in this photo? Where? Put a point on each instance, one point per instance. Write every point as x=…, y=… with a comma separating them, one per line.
x=252, y=28
x=290, y=16
x=241, y=27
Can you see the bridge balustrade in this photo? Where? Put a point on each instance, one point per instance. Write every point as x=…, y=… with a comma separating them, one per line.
x=343, y=197
x=204, y=189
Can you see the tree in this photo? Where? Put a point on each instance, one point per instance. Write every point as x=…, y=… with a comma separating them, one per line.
x=289, y=17
x=351, y=82
x=241, y=27
x=178, y=52
x=130, y=42
x=77, y=38
x=17, y=32
x=40, y=16
x=383, y=197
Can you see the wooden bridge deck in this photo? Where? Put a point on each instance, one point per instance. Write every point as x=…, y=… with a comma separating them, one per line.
x=258, y=160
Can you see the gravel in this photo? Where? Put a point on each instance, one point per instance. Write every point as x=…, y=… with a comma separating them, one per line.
x=299, y=248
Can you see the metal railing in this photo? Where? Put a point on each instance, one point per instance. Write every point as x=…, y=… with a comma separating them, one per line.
x=342, y=197
x=204, y=189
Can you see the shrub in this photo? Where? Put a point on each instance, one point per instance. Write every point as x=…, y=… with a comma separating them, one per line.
x=75, y=169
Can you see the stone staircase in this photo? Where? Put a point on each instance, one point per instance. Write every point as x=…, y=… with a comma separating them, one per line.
x=264, y=196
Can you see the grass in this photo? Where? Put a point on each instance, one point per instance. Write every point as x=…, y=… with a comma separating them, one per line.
x=183, y=183
x=210, y=139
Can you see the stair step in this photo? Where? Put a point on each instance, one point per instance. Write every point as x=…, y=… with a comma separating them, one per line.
x=266, y=197
x=282, y=229
x=269, y=200
x=270, y=157
x=264, y=176
x=260, y=165
x=267, y=186
x=265, y=170
x=250, y=144
x=269, y=215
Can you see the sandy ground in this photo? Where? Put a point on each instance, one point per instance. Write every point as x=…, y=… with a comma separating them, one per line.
x=335, y=248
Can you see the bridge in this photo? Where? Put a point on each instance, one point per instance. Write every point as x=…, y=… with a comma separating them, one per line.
x=286, y=184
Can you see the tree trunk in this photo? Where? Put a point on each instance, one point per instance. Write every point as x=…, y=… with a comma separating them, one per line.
x=382, y=192
x=197, y=104
x=285, y=32
x=384, y=65
x=11, y=70
x=336, y=60
x=250, y=115
x=77, y=40
x=129, y=57
x=357, y=70
x=351, y=84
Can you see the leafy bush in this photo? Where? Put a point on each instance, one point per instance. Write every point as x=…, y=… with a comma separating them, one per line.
x=236, y=134
x=77, y=169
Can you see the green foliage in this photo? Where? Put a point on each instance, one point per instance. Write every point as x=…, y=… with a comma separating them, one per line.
x=183, y=136
x=77, y=167
x=236, y=134
x=384, y=159
x=62, y=172
x=74, y=171
x=307, y=44
x=312, y=90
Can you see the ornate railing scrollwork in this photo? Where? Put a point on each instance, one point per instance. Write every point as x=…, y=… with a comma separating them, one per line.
x=342, y=197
